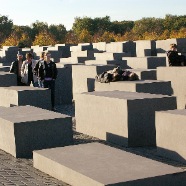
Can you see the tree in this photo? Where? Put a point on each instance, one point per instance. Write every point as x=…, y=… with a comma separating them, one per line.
x=12, y=40
x=5, y=27
x=44, y=38
x=85, y=37
x=59, y=32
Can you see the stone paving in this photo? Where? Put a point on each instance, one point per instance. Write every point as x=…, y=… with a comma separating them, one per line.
x=21, y=172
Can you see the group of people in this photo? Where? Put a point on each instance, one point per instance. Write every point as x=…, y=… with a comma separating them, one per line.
x=41, y=73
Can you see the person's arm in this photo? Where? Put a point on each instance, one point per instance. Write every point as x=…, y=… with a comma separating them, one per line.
x=22, y=69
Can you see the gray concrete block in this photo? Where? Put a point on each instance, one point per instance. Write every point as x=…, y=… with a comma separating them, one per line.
x=111, y=56
x=145, y=62
x=83, y=77
x=125, y=118
x=63, y=85
x=146, y=86
x=145, y=48
x=96, y=164
x=7, y=79
x=26, y=128
x=170, y=134
x=145, y=74
x=177, y=76
x=101, y=46
x=25, y=95
x=121, y=63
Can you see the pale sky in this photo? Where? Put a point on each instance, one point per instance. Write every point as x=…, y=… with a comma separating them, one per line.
x=26, y=12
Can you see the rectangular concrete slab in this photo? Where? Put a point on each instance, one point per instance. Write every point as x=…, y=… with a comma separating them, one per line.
x=146, y=86
x=125, y=118
x=177, y=76
x=7, y=79
x=96, y=164
x=25, y=95
x=26, y=128
x=145, y=62
x=170, y=134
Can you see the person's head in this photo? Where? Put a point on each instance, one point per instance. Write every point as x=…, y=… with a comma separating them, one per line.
x=19, y=57
x=173, y=47
x=47, y=56
x=42, y=55
x=29, y=56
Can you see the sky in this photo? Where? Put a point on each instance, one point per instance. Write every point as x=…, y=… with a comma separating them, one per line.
x=26, y=12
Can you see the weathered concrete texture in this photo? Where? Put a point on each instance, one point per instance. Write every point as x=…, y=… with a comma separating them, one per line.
x=83, y=77
x=170, y=134
x=26, y=128
x=164, y=45
x=111, y=55
x=145, y=48
x=126, y=46
x=25, y=95
x=145, y=74
x=101, y=46
x=97, y=164
x=145, y=62
x=4, y=68
x=7, y=79
x=63, y=89
x=125, y=118
x=121, y=63
x=177, y=76
x=146, y=86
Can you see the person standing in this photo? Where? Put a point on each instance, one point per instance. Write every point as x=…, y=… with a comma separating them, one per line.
x=16, y=69
x=39, y=70
x=27, y=71
x=48, y=73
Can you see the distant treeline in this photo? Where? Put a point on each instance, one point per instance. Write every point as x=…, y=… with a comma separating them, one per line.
x=87, y=29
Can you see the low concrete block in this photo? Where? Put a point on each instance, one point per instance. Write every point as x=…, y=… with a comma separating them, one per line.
x=26, y=128
x=177, y=76
x=145, y=62
x=146, y=86
x=7, y=79
x=111, y=55
x=97, y=164
x=4, y=68
x=125, y=118
x=25, y=95
x=170, y=134
x=145, y=74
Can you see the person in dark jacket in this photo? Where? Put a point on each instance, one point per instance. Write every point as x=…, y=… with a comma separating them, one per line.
x=16, y=68
x=48, y=74
x=174, y=58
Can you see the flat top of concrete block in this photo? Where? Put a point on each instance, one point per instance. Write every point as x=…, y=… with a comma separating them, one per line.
x=28, y=113
x=106, y=164
x=125, y=95
x=141, y=70
x=175, y=112
x=22, y=88
x=5, y=73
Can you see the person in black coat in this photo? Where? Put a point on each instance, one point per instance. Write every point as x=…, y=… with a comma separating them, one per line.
x=174, y=58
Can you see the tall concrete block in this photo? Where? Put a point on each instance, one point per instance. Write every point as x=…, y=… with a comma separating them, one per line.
x=96, y=164
x=145, y=62
x=7, y=79
x=25, y=128
x=146, y=86
x=164, y=45
x=63, y=85
x=126, y=46
x=170, y=134
x=25, y=95
x=177, y=76
x=101, y=46
x=83, y=77
x=125, y=118
x=145, y=48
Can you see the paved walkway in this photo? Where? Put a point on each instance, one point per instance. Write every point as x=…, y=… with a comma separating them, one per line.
x=21, y=172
